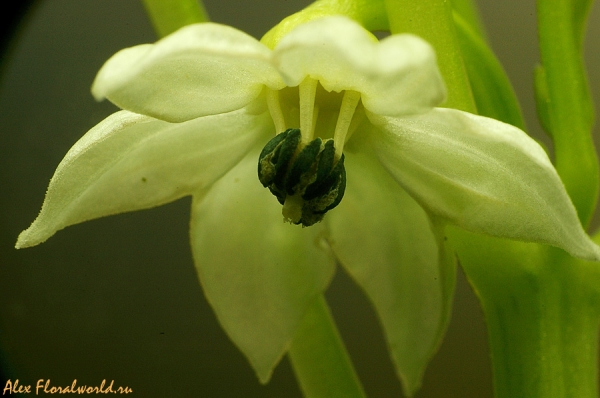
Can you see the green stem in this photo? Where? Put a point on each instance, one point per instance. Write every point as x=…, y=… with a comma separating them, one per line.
x=432, y=20
x=564, y=100
x=491, y=87
x=319, y=358
x=544, y=344
x=169, y=15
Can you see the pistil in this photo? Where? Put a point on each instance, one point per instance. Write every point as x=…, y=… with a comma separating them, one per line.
x=292, y=208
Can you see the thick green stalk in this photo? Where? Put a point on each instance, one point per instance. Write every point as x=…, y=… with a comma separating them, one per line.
x=541, y=306
x=558, y=343
x=169, y=15
x=319, y=359
x=542, y=314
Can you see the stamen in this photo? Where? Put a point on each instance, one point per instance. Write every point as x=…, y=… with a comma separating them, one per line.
x=307, y=93
x=275, y=110
x=349, y=102
x=306, y=179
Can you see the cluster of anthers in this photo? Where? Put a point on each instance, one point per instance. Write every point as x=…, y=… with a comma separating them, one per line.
x=306, y=174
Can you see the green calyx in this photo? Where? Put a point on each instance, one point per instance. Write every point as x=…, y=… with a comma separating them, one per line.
x=306, y=179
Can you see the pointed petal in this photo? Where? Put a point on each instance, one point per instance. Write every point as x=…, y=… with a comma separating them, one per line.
x=384, y=240
x=482, y=175
x=396, y=76
x=258, y=273
x=130, y=162
x=199, y=70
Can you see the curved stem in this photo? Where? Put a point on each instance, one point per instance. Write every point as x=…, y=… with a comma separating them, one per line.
x=564, y=99
x=493, y=92
x=319, y=358
x=468, y=11
x=432, y=20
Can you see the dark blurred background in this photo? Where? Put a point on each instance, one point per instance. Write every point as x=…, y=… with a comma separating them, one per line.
x=117, y=298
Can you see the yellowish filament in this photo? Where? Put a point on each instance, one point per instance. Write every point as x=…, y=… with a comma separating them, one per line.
x=275, y=111
x=349, y=103
x=307, y=93
x=315, y=117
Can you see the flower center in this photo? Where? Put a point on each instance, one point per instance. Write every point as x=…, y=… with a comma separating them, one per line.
x=306, y=174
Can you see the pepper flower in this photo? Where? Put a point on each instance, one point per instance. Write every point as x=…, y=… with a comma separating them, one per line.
x=205, y=108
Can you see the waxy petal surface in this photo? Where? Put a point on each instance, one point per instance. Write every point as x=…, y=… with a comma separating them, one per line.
x=258, y=273
x=131, y=162
x=397, y=76
x=482, y=175
x=384, y=240
x=201, y=69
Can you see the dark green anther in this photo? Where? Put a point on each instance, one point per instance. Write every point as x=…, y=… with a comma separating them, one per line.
x=306, y=179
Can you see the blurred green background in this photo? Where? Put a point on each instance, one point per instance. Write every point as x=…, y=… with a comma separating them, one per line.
x=117, y=298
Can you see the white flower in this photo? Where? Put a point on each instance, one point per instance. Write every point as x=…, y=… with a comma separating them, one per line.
x=200, y=105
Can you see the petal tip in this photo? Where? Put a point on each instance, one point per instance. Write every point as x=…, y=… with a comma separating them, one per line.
x=97, y=93
x=593, y=254
x=29, y=238
x=264, y=376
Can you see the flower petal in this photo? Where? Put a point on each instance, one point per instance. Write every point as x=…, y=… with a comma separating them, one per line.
x=199, y=70
x=384, y=240
x=258, y=273
x=397, y=76
x=482, y=175
x=130, y=162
